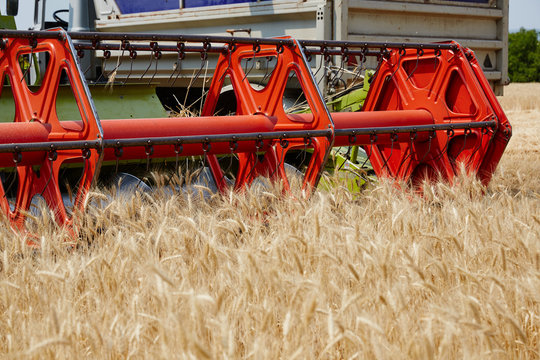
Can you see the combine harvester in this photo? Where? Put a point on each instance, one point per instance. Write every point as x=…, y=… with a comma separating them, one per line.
x=429, y=108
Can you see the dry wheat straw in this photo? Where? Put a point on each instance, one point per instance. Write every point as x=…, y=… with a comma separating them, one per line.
x=384, y=274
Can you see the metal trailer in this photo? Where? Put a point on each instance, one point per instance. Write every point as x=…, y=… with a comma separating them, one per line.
x=481, y=25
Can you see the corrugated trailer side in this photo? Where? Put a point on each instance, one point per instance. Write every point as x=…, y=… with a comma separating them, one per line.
x=481, y=25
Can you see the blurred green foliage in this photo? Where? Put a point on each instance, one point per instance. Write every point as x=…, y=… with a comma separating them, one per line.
x=524, y=56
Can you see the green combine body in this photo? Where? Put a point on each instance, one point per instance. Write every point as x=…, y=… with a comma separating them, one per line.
x=350, y=164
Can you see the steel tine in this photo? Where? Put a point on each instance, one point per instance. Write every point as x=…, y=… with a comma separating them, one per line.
x=307, y=142
x=438, y=53
x=88, y=68
x=52, y=156
x=157, y=55
x=119, y=61
x=372, y=140
x=466, y=133
x=259, y=144
x=148, y=150
x=30, y=61
x=120, y=58
x=17, y=158
x=230, y=49
x=477, y=147
x=338, y=74
x=233, y=145
x=203, y=91
x=357, y=74
x=284, y=143
x=392, y=140
x=118, y=152
x=266, y=73
x=204, y=59
x=178, y=148
x=86, y=156
x=432, y=134
x=177, y=74
x=344, y=60
x=364, y=59
x=347, y=155
x=132, y=56
x=360, y=67
x=181, y=57
x=246, y=68
x=449, y=134
x=413, y=135
x=106, y=56
x=442, y=152
x=327, y=60
x=319, y=68
x=401, y=54
x=419, y=53
x=145, y=71
x=175, y=66
x=206, y=146
x=256, y=50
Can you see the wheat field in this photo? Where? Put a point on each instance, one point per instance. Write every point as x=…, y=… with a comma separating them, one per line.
x=384, y=274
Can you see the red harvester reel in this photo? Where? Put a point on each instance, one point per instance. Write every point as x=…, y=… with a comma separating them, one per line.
x=429, y=108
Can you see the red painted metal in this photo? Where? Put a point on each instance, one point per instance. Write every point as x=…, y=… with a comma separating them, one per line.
x=207, y=125
x=20, y=133
x=412, y=87
x=38, y=106
x=269, y=101
x=500, y=139
x=380, y=119
x=450, y=86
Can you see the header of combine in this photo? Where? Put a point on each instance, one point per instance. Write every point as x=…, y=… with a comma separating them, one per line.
x=429, y=108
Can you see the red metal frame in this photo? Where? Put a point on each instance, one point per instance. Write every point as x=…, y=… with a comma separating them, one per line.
x=448, y=84
x=38, y=174
x=413, y=93
x=269, y=101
